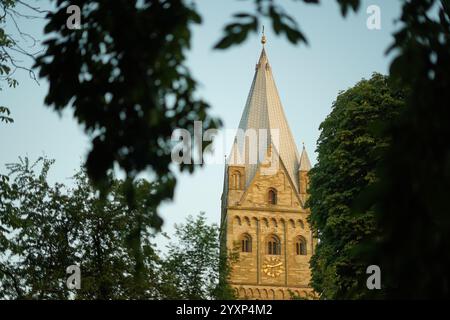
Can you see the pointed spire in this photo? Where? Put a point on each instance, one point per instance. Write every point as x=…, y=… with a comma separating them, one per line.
x=262, y=59
x=305, y=164
x=263, y=110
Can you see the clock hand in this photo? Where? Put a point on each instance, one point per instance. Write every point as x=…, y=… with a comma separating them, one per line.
x=275, y=265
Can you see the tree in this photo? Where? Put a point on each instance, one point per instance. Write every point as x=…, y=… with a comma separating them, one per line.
x=11, y=49
x=34, y=248
x=411, y=197
x=5, y=42
x=193, y=263
x=126, y=79
x=349, y=149
x=244, y=23
x=45, y=229
x=117, y=261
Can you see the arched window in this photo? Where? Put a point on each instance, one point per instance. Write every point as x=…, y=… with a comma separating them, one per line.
x=273, y=245
x=272, y=196
x=300, y=246
x=246, y=243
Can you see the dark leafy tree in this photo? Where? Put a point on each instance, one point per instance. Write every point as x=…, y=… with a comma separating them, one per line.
x=5, y=42
x=193, y=263
x=5, y=69
x=45, y=229
x=35, y=248
x=112, y=267
x=15, y=45
x=126, y=79
x=282, y=22
x=349, y=149
x=12, y=50
x=411, y=197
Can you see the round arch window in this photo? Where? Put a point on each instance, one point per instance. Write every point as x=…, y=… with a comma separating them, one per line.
x=273, y=245
x=272, y=196
x=300, y=246
x=246, y=243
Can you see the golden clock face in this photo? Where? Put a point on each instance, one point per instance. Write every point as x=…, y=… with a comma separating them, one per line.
x=272, y=267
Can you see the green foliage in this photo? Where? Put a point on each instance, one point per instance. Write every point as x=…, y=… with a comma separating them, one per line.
x=44, y=229
x=295, y=296
x=125, y=77
x=5, y=59
x=194, y=263
x=112, y=267
x=5, y=40
x=4, y=115
x=227, y=258
x=282, y=23
x=411, y=197
x=349, y=149
x=30, y=209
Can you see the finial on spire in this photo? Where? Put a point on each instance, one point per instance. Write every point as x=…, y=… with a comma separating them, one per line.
x=263, y=38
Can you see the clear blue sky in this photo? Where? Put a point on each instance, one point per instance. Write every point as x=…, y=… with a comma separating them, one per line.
x=340, y=53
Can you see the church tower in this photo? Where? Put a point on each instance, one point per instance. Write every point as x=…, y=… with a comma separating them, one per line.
x=264, y=219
